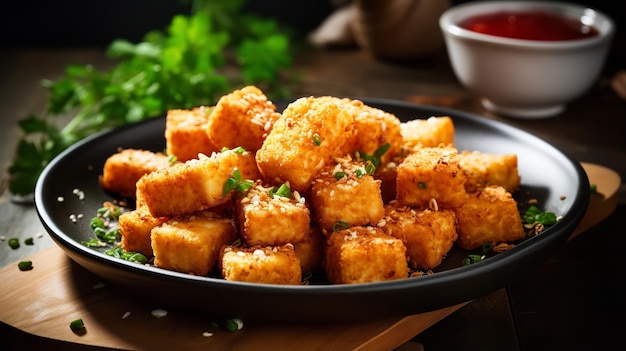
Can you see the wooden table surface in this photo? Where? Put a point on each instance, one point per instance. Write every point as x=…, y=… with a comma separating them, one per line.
x=573, y=301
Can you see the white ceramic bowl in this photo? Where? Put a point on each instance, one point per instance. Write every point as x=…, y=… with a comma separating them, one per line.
x=525, y=78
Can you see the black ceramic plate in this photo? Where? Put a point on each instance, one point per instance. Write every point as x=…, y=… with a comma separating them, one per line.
x=557, y=181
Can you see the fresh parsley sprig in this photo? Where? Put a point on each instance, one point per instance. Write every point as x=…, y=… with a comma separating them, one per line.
x=182, y=67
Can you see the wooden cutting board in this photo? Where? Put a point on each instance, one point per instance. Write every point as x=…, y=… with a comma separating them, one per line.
x=44, y=300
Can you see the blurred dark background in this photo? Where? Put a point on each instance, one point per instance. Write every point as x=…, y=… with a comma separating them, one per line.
x=79, y=23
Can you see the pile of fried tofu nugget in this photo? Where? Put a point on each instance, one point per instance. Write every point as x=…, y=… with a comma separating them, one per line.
x=247, y=193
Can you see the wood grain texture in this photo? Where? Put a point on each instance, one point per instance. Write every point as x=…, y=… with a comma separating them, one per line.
x=44, y=300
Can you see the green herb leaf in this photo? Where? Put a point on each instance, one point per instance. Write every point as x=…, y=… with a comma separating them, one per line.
x=181, y=67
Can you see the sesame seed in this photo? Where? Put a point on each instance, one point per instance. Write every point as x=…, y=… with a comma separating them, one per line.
x=60, y=199
x=125, y=315
x=159, y=313
x=207, y=334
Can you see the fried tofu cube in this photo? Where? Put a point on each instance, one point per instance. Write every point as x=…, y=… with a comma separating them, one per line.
x=242, y=118
x=346, y=193
x=123, y=169
x=192, y=243
x=428, y=235
x=490, y=215
x=363, y=255
x=431, y=175
x=188, y=187
x=429, y=132
x=135, y=228
x=311, y=250
x=261, y=264
x=484, y=169
x=185, y=133
x=308, y=135
x=268, y=219
x=373, y=128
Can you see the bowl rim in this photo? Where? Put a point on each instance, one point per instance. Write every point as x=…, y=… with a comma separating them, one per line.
x=605, y=26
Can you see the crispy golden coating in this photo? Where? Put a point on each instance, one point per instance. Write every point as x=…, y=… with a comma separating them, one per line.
x=267, y=264
x=266, y=220
x=428, y=235
x=123, y=169
x=364, y=254
x=247, y=166
x=185, y=133
x=188, y=187
x=354, y=198
x=242, y=118
x=430, y=132
x=311, y=250
x=373, y=128
x=490, y=215
x=191, y=244
x=308, y=135
x=135, y=227
x=431, y=177
x=484, y=169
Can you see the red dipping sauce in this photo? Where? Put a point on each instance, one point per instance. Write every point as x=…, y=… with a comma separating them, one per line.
x=530, y=25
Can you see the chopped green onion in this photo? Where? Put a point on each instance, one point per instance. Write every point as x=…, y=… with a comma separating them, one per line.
x=25, y=265
x=374, y=159
x=245, y=185
x=422, y=185
x=93, y=243
x=535, y=215
x=487, y=247
x=593, y=188
x=316, y=140
x=359, y=173
x=172, y=159
x=77, y=324
x=340, y=175
x=283, y=191
x=97, y=222
x=14, y=243
x=472, y=259
x=237, y=150
x=236, y=182
x=28, y=241
x=118, y=252
x=381, y=150
x=232, y=325
x=230, y=184
x=340, y=225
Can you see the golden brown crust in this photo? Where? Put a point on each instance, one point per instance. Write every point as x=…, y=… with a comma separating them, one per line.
x=242, y=118
x=266, y=220
x=191, y=244
x=364, y=254
x=355, y=200
x=490, y=215
x=484, y=169
x=429, y=132
x=188, y=187
x=310, y=132
x=123, y=169
x=261, y=264
x=431, y=174
x=185, y=133
x=428, y=235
